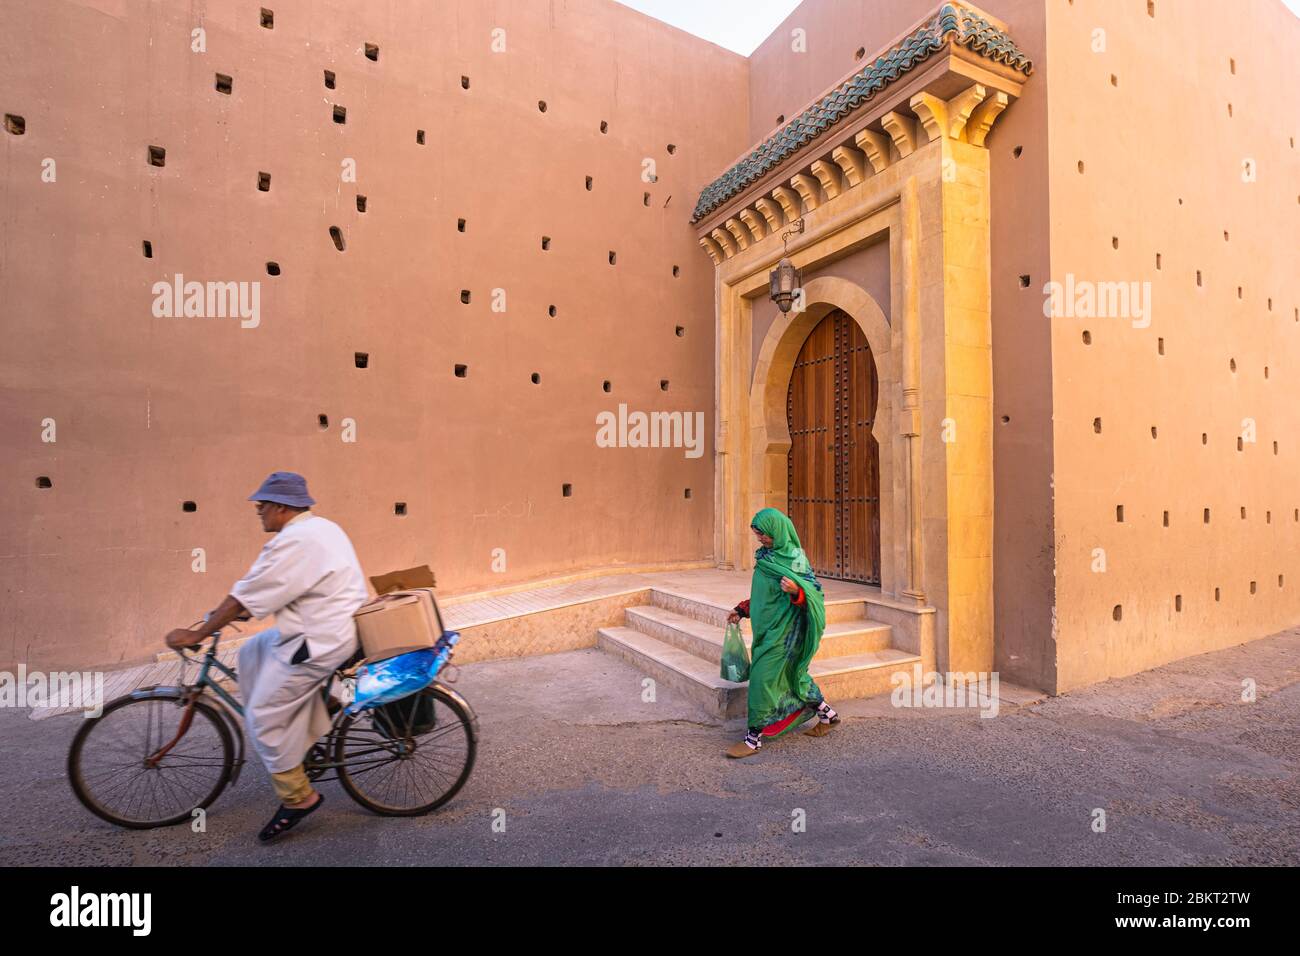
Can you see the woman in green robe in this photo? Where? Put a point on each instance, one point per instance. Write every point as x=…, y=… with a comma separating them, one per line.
x=788, y=614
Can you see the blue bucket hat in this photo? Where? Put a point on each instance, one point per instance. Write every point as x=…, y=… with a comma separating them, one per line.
x=284, y=488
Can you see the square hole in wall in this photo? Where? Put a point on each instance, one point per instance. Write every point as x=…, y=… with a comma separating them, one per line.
x=362, y=359
x=588, y=184
x=663, y=385
x=157, y=156
x=264, y=182
x=551, y=310
x=464, y=82
x=224, y=84
x=419, y=137
x=688, y=493
x=546, y=242
x=189, y=507
x=604, y=126
x=460, y=225
x=372, y=52
x=566, y=490
x=15, y=124
x=361, y=203
x=43, y=481
x=677, y=270
x=461, y=371
x=268, y=18
x=323, y=420
x=399, y=508
x=680, y=331
x=606, y=385
x=336, y=234
x=464, y=296
x=613, y=257
x=273, y=268
x=329, y=79
x=148, y=249
x=340, y=114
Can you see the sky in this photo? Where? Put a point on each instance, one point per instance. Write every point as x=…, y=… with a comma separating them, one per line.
x=741, y=25
x=738, y=25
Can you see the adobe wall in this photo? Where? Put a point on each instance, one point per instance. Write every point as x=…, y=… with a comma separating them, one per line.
x=1154, y=179
x=151, y=412
x=782, y=83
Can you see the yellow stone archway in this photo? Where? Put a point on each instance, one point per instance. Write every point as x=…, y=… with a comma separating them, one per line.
x=770, y=444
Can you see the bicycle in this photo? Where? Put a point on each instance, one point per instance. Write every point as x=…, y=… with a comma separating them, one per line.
x=192, y=748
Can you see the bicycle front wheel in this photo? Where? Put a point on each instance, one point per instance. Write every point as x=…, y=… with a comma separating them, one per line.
x=410, y=757
x=109, y=769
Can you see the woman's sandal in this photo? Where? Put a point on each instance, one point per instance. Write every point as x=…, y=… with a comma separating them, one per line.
x=286, y=818
x=822, y=727
x=819, y=729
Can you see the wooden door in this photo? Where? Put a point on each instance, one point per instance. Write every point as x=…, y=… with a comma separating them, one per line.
x=833, y=467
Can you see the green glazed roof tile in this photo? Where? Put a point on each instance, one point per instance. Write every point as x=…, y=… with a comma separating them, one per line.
x=952, y=21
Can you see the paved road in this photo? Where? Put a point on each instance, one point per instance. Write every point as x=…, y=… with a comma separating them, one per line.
x=585, y=772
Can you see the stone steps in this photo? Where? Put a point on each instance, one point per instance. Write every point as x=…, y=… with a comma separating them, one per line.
x=678, y=641
x=705, y=640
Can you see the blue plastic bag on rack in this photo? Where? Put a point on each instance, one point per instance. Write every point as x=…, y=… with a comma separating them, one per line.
x=388, y=680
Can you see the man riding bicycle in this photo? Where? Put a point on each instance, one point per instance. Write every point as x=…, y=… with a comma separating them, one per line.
x=308, y=576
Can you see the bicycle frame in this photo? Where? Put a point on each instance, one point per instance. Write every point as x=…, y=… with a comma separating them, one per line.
x=314, y=768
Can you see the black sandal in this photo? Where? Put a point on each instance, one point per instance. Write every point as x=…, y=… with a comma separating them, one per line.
x=286, y=818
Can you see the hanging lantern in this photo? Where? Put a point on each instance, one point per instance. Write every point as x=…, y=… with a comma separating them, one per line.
x=784, y=280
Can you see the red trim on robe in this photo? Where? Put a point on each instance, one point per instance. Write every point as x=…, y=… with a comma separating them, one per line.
x=771, y=730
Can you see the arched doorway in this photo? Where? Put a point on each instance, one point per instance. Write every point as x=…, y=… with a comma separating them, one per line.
x=833, y=466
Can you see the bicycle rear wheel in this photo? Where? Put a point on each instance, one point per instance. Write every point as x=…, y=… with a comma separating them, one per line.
x=409, y=761
x=107, y=761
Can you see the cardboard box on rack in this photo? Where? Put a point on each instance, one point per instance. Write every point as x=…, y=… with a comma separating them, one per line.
x=403, y=618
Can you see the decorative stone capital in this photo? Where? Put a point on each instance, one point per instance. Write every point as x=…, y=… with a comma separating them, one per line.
x=808, y=191
x=789, y=200
x=902, y=130
x=754, y=222
x=771, y=212
x=852, y=163
x=876, y=147
x=741, y=234
x=828, y=175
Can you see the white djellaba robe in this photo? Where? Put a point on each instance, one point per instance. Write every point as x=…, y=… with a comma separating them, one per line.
x=308, y=576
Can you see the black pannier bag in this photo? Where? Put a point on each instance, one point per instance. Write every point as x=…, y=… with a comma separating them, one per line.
x=408, y=717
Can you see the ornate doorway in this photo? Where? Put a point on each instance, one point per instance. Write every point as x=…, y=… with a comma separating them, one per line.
x=833, y=468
